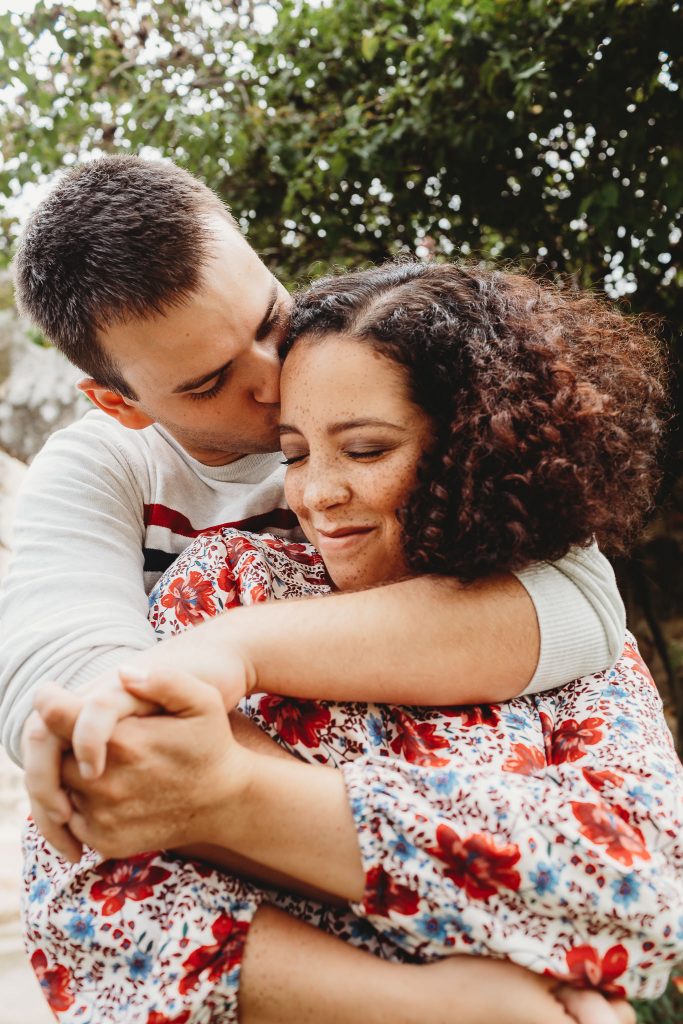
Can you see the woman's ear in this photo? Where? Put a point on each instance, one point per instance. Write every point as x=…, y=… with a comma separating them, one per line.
x=125, y=410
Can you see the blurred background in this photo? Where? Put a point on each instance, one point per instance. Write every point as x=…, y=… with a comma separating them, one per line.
x=544, y=134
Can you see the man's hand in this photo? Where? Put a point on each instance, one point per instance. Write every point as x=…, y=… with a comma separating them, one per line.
x=63, y=720
x=42, y=751
x=165, y=774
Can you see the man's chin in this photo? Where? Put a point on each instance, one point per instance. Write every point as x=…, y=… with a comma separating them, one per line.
x=219, y=453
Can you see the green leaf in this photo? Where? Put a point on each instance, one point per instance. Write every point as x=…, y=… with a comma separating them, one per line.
x=369, y=45
x=531, y=71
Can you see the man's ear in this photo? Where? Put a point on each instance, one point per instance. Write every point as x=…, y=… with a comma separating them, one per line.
x=125, y=410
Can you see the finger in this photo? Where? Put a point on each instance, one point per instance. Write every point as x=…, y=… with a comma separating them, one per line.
x=101, y=713
x=586, y=1006
x=178, y=693
x=83, y=834
x=624, y=1011
x=78, y=788
x=58, y=836
x=42, y=766
x=58, y=708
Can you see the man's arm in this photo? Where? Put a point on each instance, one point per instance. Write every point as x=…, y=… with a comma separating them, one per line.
x=73, y=604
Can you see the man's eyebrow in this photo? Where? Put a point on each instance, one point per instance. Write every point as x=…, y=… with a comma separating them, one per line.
x=190, y=385
x=339, y=428
x=266, y=324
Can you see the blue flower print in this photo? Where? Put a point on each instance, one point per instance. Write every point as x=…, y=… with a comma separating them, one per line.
x=641, y=794
x=39, y=891
x=679, y=933
x=81, y=927
x=402, y=849
x=442, y=782
x=515, y=721
x=625, y=890
x=376, y=731
x=624, y=725
x=545, y=879
x=140, y=965
x=431, y=927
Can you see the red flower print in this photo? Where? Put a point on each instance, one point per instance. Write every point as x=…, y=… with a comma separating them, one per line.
x=417, y=740
x=569, y=742
x=475, y=714
x=302, y=554
x=547, y=727
x=236, y=546
x=477, y=864
x=383, y=895
x=609, y=827
x=226, y=583
x=219, y=957
x=598, y=779
x=588, y=970
x=525, y=760
x=296, y=721
x=130, y=879
x=190, y=598
x=632, y=657
x=54, y=981
x=257, y=593
x=159, y=1018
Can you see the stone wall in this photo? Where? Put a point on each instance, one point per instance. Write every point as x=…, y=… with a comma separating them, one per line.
x=37, y=390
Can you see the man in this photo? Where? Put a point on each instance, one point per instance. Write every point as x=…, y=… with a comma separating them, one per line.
x=140, y=276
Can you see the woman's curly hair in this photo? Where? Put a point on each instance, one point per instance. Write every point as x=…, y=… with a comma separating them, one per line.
x=546, y=402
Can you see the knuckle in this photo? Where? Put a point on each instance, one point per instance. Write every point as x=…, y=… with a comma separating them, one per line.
x=100, y=703
x=50, y=707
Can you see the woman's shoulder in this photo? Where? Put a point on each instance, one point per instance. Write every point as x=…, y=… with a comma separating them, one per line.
x=268, y=567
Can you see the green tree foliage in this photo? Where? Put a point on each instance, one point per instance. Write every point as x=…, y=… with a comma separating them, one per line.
x=508, y=127
x=346, y=131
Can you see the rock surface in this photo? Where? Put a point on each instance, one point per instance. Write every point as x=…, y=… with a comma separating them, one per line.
x=37, y=390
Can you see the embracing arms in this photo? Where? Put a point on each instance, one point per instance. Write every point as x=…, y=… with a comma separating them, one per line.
x=563, y=861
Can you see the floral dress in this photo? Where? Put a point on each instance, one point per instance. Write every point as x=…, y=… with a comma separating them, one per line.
x=546, y=830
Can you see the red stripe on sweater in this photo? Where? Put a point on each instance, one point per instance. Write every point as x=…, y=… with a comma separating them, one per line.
x=176, y=522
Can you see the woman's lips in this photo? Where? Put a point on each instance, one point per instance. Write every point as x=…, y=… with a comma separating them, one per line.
x=342, y=538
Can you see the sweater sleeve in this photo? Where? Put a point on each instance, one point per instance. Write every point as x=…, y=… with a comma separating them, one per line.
x=568, y=862
x=73, y=603
x=581, y=616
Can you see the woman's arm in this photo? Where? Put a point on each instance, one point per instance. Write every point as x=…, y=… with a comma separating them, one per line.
x=428, y=640
x=575, y=868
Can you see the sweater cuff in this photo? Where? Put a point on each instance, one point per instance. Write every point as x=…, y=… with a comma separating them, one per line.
x=568, y=650
x=76, y=680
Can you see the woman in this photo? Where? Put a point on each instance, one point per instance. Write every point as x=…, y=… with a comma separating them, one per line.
x=495, y=434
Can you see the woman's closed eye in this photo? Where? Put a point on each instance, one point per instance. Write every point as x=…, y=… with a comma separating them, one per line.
x=357, y=454
x=366, y=453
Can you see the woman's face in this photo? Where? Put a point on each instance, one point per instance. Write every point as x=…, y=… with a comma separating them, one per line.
x=353, y=439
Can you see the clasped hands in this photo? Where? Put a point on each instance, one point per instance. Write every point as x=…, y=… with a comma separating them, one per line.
x=105, y=766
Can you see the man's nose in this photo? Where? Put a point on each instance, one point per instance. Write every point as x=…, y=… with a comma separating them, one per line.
x=267, y=389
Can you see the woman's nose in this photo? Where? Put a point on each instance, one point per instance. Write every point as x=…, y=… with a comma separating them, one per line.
x=325, y=489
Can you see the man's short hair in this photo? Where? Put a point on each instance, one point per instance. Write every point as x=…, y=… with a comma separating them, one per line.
x=118, y=238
